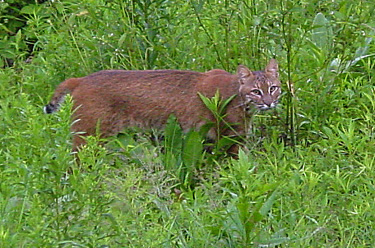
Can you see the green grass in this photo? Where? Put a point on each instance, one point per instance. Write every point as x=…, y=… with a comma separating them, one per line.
x=304, y=179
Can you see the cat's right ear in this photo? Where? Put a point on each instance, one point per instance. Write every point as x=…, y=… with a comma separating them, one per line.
x=272, y=68
x=243, y=73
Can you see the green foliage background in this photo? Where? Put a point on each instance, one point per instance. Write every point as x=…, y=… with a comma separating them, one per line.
x=306, y=178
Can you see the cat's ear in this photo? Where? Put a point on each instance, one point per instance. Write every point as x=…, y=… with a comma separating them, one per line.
x=243, y=72
x=272, y=68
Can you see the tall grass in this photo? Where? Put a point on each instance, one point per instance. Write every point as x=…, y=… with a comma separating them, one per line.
x=305, y=179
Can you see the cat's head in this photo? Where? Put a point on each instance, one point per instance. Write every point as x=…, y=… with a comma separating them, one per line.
x=260, y=88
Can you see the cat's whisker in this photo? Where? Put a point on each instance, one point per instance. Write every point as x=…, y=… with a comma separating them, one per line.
x=240, y=105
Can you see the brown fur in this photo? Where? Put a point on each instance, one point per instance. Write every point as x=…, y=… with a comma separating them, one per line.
x=116, y=99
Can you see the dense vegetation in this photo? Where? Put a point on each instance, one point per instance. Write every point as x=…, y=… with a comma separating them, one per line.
x=306, y=178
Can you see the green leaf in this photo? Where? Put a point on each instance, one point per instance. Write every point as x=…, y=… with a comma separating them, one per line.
x=172, y=143
x=193, y=149
x=268, y=204
x=121, y=39
x=19, y=37
x=322, y=32
x=226, y=142
x=206, y=101
x=30, y=9
x=204, y=129
x=328, y=132
x=224, y=104
x=173, y=135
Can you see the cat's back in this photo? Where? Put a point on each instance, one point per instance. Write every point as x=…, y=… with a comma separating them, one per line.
x=156, y=83
x=142, y=77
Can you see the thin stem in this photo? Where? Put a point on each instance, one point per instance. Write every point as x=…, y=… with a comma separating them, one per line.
x=208, y=35
x=286, y=32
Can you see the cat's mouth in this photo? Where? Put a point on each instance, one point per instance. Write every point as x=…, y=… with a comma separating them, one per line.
x=249, y=105
x=265, y=107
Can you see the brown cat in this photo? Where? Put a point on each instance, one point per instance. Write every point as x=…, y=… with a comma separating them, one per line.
x=116, y=99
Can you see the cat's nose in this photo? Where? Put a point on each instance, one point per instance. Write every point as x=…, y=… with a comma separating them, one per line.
x=268, y=101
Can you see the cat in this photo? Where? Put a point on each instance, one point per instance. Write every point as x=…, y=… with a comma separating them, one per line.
x=112, y=100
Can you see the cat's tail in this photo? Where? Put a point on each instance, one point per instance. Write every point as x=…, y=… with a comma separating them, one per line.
x=64, y=88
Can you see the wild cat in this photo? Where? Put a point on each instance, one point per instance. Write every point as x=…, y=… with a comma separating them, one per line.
x=116, y=99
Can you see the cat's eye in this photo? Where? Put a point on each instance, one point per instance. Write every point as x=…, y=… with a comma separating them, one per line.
x=256, y=92
x=273, y=88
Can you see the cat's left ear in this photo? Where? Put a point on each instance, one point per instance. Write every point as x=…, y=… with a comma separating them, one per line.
x=272, y=68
